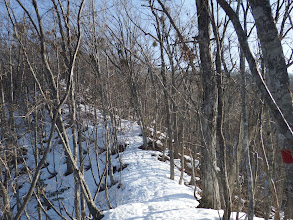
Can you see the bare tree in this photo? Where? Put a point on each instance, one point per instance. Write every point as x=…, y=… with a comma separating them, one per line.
x=211, y=197
x=220, y=114
x=55, y=102
x=275, y=91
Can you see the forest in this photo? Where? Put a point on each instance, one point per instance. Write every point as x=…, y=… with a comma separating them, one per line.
x=206, y=78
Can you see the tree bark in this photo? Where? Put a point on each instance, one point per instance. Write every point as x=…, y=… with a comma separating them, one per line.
x=160, y=34
x=277, y=78
x=276, y=92
x=75, y=152
x=210, y=185
x=219, y=127
x=245, y=145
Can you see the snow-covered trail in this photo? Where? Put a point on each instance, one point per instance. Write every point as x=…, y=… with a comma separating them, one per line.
x=148, y=193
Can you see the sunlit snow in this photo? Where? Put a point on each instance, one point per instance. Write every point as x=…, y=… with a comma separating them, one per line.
x=147, y=191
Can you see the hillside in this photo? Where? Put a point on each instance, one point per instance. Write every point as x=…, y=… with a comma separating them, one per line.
x=88, y=87
x=142, y=188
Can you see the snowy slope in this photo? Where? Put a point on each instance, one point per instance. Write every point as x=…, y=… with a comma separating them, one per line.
x=143, y=189
x=148, y=193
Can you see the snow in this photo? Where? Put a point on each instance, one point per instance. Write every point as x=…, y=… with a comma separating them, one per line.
x=147, y=192
x=143, y=190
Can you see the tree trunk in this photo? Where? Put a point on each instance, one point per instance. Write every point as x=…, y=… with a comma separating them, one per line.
x=160, y=34
x=277, y=78
x=245, y=139
x=221, y=141
x=210, y=185
x=220, y=135
x=75, y=152
x=276, y=94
